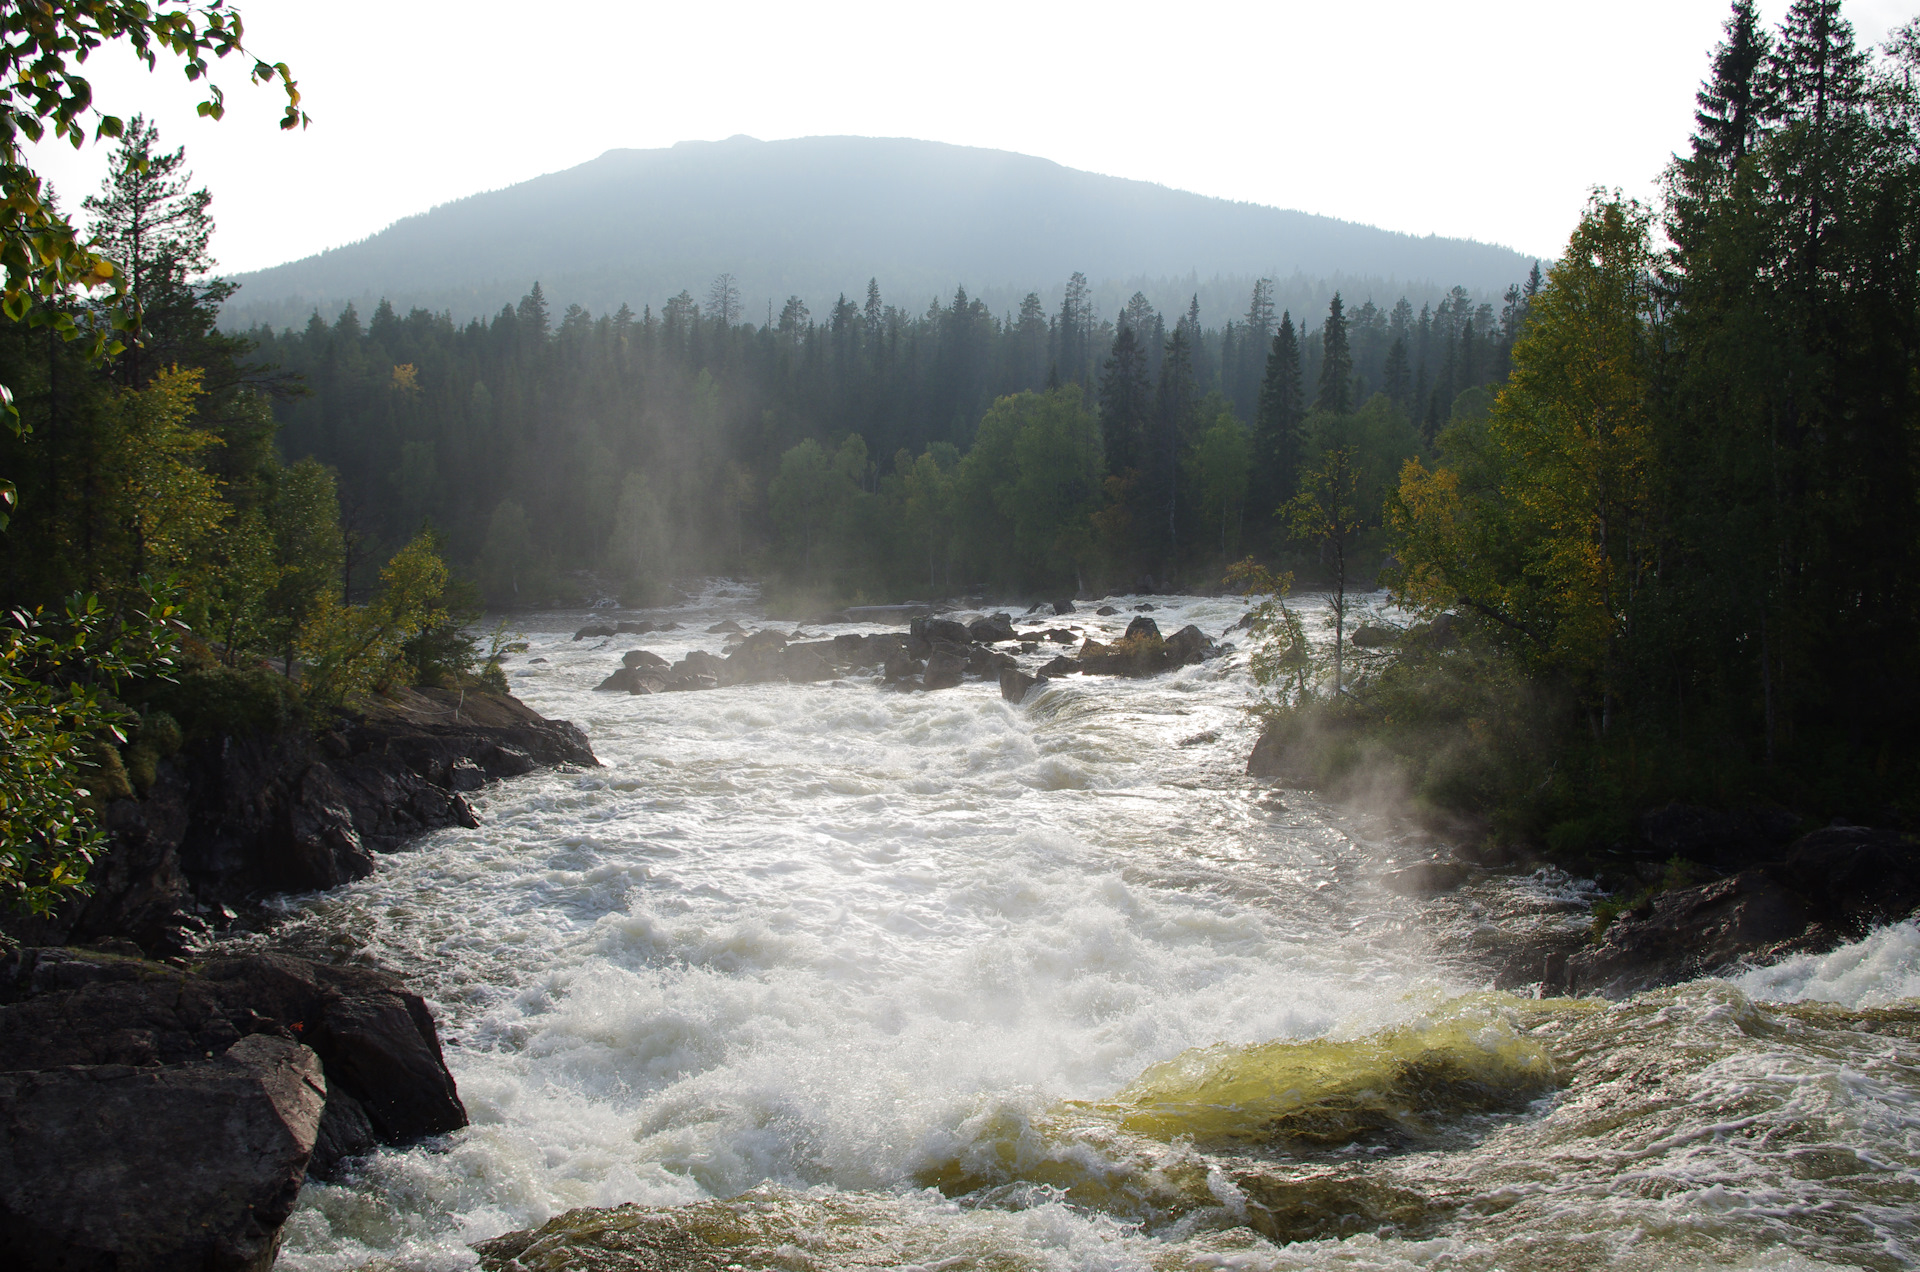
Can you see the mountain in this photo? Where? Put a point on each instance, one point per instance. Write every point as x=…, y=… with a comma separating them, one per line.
x=819, y=216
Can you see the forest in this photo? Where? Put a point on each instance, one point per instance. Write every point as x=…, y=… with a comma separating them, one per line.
x=870, y=452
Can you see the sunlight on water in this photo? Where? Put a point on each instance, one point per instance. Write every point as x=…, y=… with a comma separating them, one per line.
x=822, y=975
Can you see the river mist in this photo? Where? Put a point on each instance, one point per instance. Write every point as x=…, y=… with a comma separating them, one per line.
x=830, y=976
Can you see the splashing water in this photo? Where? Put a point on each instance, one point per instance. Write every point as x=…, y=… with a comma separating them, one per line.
x=828, y=976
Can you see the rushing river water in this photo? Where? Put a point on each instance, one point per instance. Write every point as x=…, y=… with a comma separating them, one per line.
x=829, y=976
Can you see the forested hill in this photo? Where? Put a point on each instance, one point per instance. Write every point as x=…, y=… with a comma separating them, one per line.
x=819, y=216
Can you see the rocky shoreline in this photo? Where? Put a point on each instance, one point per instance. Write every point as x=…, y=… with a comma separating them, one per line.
x=160, y=1111
x=1769, y=893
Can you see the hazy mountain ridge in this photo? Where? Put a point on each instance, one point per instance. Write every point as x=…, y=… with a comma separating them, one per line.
x=818, y=216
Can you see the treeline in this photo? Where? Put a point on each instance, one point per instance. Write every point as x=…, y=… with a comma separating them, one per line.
x=1688, y=530
x=837, y=451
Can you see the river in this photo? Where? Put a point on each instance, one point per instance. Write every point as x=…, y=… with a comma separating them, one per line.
x=832, y=976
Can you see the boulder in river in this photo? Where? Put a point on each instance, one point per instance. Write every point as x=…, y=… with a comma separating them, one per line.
x=1063, y=607
x=594, y=631
x=1143, y=627
x=1373, y=636
x=992, y=630
x=944, y=670
x=1015, y=683
x=940, y=629
x=1106, y=611
x=724, y=625
x=633, y=627
x=643, y=658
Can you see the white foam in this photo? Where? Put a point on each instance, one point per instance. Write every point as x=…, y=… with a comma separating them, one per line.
x=1883, y=968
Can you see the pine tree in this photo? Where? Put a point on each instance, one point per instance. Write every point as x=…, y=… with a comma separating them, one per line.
x=1336, y=366
x=1733, y=100
x=157, y=231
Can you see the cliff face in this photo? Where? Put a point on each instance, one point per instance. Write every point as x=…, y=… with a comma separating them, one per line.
x=235, y=817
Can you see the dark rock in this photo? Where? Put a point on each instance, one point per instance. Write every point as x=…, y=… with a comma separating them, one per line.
x=1687, y=933
x=944, y=670
x=632, y=627
x=1145, y=607
x=1106, y=611
x=1832, y=886
x=502, y=761
x=900, y=666
x=647, y=682
x=194, y=1165
x=992, y=629
x=1014, y=684
x=1425, y=878
x=1373, y=636
x=620, y=681
x=1275, y=761
x=1189, y=645
x=1060, y=666
x=804, y=664
x=724, y=625
x=344, y=1133
x=947, y=629
x=1061, y=636
x=1143, y=627
x=466, y=776
x=594, y=631
x=1063, y=607
x=323, y=849
x=643, y=658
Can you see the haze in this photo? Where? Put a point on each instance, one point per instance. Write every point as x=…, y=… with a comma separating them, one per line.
x=1488, y=121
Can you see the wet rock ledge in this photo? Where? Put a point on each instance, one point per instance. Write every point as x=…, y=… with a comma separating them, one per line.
x=157, y=1117
x=165, y=1114
x=235, y=817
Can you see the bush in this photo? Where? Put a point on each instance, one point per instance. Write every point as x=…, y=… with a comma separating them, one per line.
x=211, y=702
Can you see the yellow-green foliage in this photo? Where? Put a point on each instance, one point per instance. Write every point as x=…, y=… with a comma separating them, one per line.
x=349, y=650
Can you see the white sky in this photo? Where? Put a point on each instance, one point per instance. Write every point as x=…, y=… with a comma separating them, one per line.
x=1486, y=119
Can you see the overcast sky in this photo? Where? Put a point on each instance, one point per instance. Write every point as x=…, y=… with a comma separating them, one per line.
x=1486, y=119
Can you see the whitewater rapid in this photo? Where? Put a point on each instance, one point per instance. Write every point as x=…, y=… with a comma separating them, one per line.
x=937, y=979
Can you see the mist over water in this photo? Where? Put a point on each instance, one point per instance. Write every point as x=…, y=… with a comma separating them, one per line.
x=865, y=978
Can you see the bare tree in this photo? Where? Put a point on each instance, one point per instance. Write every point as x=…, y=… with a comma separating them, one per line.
x=723, y=300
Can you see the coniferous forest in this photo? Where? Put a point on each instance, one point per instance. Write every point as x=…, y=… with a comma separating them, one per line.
x=869, y=451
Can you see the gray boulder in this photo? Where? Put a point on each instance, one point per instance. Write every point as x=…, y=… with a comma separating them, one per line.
x=1015, y=683
x=643, y=658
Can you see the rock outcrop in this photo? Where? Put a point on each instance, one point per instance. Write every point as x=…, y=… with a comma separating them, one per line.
x=235, y=816
x=1830, y=887
x=152, y=1117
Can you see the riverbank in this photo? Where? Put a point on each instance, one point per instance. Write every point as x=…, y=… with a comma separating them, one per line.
x=159, y=1108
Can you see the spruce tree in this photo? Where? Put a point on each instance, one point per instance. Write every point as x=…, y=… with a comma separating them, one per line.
x=1125, y=392
x=1733, y=100
x=1276, y=439
x=1395, y=376
x=1336, y=366
x=1814, y=70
